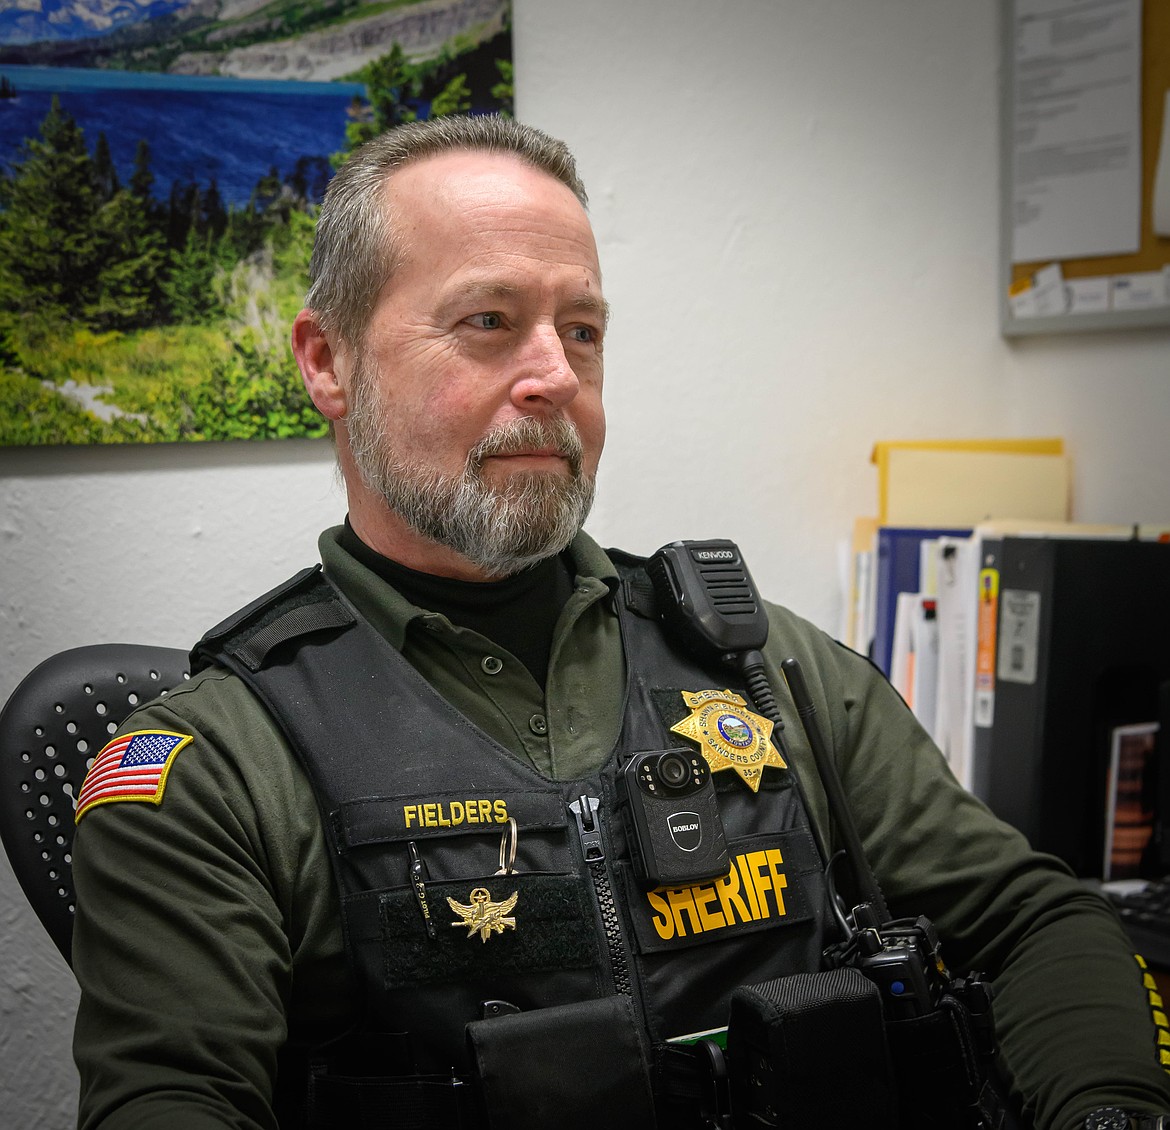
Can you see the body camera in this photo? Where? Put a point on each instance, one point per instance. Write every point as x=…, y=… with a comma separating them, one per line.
x=674, y=816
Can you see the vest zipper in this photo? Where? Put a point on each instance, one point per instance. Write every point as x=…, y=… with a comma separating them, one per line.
x=584, y=809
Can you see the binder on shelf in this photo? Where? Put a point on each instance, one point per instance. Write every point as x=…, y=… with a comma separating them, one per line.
x=898, y=570
x=1081, y=647
x=971, y=604
x=957, y=605
x=1034, y=528
x=914, y=665
x=859, y=597
x=988, y=561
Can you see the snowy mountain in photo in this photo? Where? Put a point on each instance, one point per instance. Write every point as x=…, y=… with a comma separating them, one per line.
x=33, y=21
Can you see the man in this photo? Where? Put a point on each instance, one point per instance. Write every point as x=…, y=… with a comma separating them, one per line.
x=392, y=842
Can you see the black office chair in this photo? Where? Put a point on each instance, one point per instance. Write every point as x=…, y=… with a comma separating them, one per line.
x=51, y=728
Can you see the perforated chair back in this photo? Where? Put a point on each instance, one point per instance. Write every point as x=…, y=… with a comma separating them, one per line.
x=53, y=725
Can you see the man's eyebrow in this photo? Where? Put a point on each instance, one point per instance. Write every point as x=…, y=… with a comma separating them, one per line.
x=473, y=292
x=592, y=304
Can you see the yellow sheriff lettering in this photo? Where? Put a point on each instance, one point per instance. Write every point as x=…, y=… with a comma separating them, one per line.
x=731, y=901
x=454, y=813
x=751, y=890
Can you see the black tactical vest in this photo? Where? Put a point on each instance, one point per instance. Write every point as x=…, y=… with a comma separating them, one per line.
x=412, y=793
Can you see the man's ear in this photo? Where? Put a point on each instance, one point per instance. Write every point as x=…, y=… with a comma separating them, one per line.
x=317, y=360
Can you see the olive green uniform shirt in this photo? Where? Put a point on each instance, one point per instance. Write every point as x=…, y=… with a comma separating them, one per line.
x=208, y=928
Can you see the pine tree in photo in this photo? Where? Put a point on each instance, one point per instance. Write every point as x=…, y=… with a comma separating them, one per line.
x=128, y=293
x=49, y=251
x=188, y=287
x=105, y=174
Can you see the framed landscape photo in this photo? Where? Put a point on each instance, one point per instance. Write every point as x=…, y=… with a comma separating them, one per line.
x=161, y=166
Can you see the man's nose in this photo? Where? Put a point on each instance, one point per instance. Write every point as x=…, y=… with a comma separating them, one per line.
x=545, y=379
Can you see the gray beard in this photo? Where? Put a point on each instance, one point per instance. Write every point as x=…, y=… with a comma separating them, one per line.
x=500, y=530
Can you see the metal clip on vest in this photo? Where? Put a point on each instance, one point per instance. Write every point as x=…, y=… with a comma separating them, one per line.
x=585, y=811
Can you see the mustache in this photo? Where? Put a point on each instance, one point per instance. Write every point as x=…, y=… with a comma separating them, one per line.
x=529, y=434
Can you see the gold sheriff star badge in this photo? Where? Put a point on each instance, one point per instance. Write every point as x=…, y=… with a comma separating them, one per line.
x=729, y=735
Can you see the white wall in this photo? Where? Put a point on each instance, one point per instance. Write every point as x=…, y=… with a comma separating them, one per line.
x=797, y=207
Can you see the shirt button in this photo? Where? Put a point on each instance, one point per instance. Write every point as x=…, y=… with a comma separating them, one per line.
x=538, y=724
x=491, y=664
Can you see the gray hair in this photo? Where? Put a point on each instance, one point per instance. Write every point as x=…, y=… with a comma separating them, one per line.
x=356, y=249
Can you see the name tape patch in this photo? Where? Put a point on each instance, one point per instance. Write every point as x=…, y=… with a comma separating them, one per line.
x=452, y=814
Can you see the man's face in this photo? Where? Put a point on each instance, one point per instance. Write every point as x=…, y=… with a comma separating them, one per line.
x=475, y=400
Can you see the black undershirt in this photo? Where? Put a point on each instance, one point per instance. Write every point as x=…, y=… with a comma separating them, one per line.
x=519, y=613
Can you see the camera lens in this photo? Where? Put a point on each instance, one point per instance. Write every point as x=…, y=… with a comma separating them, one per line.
x=674, y=770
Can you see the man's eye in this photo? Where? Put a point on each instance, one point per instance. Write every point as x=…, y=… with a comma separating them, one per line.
x=486, y=321
x=583, y=333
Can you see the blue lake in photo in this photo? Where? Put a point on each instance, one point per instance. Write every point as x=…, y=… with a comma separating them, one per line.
x=197, y=128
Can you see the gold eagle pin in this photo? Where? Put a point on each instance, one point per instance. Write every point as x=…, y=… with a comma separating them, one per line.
x=483, y=915
x=729, y=735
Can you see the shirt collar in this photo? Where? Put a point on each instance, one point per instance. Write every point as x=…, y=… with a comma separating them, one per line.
x=391, y=614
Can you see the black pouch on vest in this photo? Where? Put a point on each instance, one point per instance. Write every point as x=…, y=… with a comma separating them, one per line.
x=573, y=1067
x=809, y=1050
x=942, y=1078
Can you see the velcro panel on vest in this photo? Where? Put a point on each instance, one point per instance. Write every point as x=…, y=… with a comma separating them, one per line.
x=811, y=1047
x=549, y=926
x=572, y=1067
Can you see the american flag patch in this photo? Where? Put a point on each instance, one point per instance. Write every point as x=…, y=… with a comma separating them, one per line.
x=131, y=767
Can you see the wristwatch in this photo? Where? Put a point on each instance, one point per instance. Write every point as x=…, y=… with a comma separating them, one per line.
x=1114, y=1118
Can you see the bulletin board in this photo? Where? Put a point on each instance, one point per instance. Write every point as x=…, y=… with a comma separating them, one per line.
x=1057, y=60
